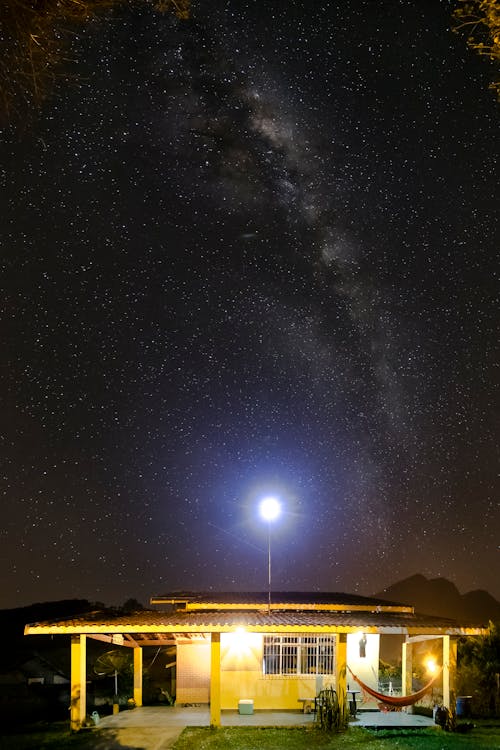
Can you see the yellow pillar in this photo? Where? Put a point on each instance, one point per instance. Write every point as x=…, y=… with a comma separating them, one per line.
x=78, y=705
x=215, y=680
x=449, y=671
x=341, y=666
x=138, y=675
x=406, y=669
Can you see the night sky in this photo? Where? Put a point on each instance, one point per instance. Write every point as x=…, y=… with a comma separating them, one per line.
x=252, y=253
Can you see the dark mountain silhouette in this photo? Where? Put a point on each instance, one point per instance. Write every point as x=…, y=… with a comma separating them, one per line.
x=440, y=597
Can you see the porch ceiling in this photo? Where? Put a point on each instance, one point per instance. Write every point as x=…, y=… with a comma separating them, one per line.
x=133, y=640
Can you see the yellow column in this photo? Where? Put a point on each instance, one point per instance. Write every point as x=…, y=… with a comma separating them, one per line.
x=215, y=680
x=138, y=676
x=341, y=666
x=78, y=705
x=406, y=669
x=449, y=671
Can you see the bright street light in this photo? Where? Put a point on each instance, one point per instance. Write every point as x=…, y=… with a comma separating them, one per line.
x=269, y=508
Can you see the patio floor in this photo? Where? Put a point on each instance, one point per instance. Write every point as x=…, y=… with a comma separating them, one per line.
x=179, y=717
x=391, y=720
x=192, y=716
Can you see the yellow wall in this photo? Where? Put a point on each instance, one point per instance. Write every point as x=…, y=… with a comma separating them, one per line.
x=242, y=677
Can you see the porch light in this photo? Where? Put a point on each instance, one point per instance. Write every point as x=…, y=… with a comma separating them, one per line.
x=431, y=665
x=239, y=641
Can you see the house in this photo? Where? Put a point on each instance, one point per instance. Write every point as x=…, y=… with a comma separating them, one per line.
x=277, y=651
x=32, y=685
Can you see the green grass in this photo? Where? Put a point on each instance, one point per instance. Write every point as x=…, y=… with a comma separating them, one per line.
x=305, y=738
x=486, y=736
x=54, y=736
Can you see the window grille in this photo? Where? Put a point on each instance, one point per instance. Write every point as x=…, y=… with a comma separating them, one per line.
x=299, y=654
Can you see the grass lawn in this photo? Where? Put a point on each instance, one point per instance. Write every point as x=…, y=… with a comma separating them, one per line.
x=305, y=738
x=54, y=736
x=57, y=737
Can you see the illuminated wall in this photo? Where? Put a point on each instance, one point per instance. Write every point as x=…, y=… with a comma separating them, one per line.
x=363, y=658
x=242, y=677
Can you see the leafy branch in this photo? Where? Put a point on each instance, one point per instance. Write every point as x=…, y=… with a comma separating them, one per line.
x=480, y=19
x=34, y=42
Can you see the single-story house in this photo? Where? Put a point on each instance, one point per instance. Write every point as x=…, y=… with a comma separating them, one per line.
x=276, y=651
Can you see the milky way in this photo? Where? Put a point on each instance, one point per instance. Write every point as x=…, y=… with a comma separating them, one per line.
x=254, y=252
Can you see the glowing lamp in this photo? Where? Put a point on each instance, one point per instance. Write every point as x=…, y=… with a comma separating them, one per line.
x=431, y=665
x=269, y=509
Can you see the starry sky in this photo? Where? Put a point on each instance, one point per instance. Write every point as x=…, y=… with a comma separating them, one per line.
x=252, y=253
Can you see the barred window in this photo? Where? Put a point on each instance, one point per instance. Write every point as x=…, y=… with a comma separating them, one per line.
x=299, y=654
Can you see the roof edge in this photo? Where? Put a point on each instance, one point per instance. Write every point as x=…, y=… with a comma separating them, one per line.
x=280, y=600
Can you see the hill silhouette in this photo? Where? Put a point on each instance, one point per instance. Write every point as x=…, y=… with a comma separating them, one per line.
x=440, y=597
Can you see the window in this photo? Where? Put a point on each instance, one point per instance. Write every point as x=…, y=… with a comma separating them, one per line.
x=299, y=654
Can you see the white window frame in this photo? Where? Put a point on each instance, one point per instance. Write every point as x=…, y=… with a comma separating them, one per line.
x=300, y=654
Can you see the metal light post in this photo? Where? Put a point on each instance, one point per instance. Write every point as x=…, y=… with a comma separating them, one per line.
x=269, y=509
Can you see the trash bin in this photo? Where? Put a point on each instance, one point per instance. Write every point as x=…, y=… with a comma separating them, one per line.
x=245, y=706
x=463, y=706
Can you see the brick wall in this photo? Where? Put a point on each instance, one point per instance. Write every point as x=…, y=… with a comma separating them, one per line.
x=193, y=673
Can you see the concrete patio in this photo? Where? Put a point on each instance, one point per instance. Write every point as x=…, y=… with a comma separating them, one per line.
x=157, y=728
x=391, y=720
x=194, y=716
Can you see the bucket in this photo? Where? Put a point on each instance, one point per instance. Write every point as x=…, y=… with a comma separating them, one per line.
x=463, y=706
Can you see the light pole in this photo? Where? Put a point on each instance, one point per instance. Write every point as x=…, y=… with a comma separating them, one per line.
x=269, y=509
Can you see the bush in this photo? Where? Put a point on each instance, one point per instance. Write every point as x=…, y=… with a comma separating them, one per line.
x=478, y=673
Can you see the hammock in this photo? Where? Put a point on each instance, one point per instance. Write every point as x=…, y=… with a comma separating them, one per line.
x=392, y=700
